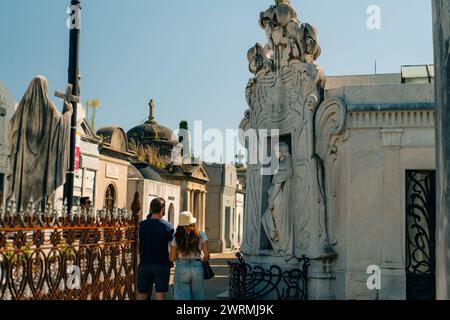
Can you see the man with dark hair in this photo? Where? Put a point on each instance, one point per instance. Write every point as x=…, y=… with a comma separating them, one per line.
x=85, y=204
x=155, y=235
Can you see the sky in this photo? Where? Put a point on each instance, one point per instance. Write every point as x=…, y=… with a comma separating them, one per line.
x=190, y=56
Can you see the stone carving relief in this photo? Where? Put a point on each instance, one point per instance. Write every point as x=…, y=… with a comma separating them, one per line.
x=277, y=220
x=286, y=94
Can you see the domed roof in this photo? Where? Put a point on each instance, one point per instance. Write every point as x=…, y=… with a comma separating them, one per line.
x=151, y=132
x=149, y=174
x=141, y=171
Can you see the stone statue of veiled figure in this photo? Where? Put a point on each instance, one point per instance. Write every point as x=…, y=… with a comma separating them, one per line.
x=39, y=141
x=277, y=220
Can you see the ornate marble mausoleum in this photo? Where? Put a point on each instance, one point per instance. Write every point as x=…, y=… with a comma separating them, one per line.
x=354, y=184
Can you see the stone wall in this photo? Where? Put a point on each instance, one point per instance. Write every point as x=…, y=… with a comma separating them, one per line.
x=221, y=194
x=441, y=23
x=149, y=190
x=115, y=172
x=390, y=129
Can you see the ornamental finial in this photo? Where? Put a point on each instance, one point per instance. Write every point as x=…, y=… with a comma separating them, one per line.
x=278, y=2
x=152, y=108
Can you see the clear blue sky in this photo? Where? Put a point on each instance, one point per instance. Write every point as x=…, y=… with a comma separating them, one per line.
x=190, y=55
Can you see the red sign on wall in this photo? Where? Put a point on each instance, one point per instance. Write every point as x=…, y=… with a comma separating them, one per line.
x=77, y=151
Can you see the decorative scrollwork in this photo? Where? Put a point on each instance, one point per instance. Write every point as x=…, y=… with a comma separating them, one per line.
x=420, y=235
x=329, y=122
x=256, y=283
x=420, y=225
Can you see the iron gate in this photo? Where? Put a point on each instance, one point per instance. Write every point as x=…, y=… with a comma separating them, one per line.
x=256, y=283
x=420, y=235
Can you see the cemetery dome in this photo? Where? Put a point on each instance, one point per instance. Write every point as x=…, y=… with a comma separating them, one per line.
x=152, y=134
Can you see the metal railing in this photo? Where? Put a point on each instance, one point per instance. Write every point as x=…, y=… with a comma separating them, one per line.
x=50, y=254
x=256, y=283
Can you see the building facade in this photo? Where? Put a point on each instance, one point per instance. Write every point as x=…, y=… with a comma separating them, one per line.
x=112, y=176
x=157, y=146
x=86, y=177
x=381, y=163
x=150, y=185
x=224, y=208
x=239, y=222
x=192, y=180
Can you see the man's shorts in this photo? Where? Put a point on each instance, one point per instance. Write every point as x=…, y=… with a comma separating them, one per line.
x=159, y=275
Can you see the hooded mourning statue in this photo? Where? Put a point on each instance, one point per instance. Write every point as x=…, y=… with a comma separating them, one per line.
x=39, y=141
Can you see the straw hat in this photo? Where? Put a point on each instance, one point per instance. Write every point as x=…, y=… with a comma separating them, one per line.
x=186, y=219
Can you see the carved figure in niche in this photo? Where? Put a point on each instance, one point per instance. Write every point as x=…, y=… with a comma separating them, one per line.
x=277, y=221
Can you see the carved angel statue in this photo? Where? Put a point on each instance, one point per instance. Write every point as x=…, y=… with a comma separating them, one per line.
x=277, y=220
x=39, y=141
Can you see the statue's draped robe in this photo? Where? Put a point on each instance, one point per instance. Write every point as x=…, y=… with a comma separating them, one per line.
x=279, y=220
x=39, y=141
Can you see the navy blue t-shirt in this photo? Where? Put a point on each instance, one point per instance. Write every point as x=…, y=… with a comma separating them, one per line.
x=154, y=238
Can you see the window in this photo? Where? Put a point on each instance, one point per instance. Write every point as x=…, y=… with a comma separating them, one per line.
x=110, y=198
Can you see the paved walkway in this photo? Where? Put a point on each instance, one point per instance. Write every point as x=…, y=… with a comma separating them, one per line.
x=218, y=285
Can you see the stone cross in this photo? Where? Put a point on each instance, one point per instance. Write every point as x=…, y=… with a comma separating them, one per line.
x=68, y=95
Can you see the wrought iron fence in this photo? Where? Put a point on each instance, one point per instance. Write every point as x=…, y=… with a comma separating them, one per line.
x=256, y=283
x=47, y=255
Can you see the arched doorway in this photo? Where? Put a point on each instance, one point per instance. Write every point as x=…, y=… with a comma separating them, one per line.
x=171, y=214
x=110, y=198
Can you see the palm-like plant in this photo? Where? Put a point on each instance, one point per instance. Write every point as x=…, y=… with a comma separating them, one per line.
x=95, y=104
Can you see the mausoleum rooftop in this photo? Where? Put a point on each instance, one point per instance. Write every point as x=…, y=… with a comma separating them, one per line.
x=382, y=92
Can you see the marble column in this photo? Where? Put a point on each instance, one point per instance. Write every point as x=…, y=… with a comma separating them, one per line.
x=196, y=211
x=203, y=209
x=192, y=202
x=83, y=182
x=187, y=200
x=393, y=286
x=441, y=23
